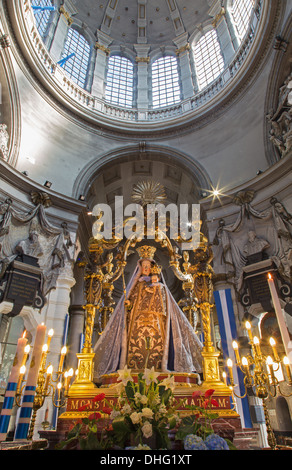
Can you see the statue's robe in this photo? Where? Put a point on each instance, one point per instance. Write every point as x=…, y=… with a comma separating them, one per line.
x=154, y=314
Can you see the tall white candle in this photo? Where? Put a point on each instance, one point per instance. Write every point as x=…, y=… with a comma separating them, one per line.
x=17, y=363
x=36, y=356
x=280, y=317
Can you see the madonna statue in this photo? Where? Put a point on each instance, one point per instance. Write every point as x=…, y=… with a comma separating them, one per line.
x=147, y=328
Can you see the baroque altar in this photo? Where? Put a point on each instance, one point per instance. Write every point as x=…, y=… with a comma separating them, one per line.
x=147, y=328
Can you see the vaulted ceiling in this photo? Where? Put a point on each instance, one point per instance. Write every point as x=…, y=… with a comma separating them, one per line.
x=142, y=21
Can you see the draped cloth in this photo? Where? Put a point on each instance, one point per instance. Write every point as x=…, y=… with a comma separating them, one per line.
x=181, y=346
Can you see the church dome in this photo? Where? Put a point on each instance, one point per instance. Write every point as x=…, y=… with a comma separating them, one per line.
x=144, y=65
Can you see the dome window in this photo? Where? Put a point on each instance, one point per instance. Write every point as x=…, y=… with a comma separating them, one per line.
x=42, y=9
x=119, y=81
x=165, y=82
x=208, y=59
x=75, y=57
x=240, y=14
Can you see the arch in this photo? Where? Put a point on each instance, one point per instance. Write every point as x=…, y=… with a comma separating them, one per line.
x=153, y=152
x=283, y=414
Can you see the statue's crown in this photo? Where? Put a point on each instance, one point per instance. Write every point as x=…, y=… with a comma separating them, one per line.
x=156, y=269
x=146, y=251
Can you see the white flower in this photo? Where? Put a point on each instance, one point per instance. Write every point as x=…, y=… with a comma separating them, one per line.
x=114, y=414
x=147, y=429
x=125, y=375
x=168, y=383
x=143, y=399
x=126, y=409
x=162, y=409
x=150, y=376
x=135, y=417
x=147, y=413
x=137, y=397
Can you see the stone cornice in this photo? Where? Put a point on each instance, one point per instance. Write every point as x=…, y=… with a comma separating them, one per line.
x=62, y=206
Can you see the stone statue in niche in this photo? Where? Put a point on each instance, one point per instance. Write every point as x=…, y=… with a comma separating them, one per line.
x=31, y=245
x=31, y=233
x=4, y=139
x=281, y=119
x=255, y=247
x=234, y=251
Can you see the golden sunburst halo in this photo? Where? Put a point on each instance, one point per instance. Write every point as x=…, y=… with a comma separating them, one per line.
x=148, y=192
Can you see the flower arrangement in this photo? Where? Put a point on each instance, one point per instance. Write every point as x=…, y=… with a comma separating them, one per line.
x=146, y=409
x=145, y=412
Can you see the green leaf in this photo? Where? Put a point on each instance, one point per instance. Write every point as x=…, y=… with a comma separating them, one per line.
x=230, y=445
x=172, y=422
x=130, y=391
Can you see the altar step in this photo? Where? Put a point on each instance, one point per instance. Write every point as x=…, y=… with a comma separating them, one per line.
x=246, y=439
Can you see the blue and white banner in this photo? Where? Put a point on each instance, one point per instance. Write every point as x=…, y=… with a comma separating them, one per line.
x=228, y=333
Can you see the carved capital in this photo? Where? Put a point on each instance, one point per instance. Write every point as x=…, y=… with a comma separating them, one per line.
x=102, y=48
x=66, y=15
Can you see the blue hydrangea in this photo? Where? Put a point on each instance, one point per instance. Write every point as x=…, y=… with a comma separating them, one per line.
x=193, y=442
x=215, y=442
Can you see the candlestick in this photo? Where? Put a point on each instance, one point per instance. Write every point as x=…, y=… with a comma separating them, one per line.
x=30, y=388
x=11, y=387
x=280, y=316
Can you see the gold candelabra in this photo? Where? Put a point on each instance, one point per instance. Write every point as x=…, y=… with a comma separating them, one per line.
x=259, y=374
x=57, y=388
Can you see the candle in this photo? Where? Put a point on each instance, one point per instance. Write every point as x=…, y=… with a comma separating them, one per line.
x=229, y=365
x=256, y=343
x=63, y=353
x=273, y=345
x=248, y=327
x=287, y=366
x=48, y=378
x=224, y=375
x=31, y=382
x=44, y=355
x=235, y=347
x=26, y=353
x=271, y=368
x=12, y=386
x=280, y=316
x=50, y=335
x=20, y=379
x=245, y=366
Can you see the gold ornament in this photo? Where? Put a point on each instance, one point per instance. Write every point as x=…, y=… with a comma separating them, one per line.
x=146, y=252
x=148, y=192
x=156, y=269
